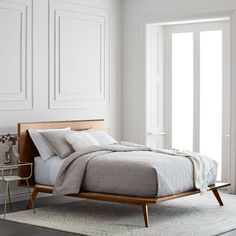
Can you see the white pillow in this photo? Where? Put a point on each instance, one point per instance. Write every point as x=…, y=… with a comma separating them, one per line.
x=102, y=137
x=44, y=149
x=81, y=139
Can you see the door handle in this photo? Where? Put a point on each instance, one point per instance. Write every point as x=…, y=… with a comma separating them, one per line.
x=157, y=133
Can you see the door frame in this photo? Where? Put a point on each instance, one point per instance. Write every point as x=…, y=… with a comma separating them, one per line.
x=192, y=15
x=195, y=28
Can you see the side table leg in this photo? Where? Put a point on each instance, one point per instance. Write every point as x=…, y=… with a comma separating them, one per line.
x=6, y=198
x=32, y=203
x=9, y=197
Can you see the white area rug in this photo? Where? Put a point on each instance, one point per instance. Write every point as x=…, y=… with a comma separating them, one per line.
x=194, y=215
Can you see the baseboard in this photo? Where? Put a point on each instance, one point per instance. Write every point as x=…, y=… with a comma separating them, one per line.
x=19, y=195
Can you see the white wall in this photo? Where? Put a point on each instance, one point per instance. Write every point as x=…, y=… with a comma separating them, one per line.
x=63, y=70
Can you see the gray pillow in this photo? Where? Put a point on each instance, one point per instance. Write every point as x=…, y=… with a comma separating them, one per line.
x=41, y=144
x=58, y=142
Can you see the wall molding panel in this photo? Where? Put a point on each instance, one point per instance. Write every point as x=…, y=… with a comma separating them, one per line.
x=79, y=46
x=16, y=55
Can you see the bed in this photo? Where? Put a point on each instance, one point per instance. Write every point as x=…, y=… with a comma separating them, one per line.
x=44, y=177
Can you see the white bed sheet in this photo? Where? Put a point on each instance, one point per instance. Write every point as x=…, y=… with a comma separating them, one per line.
x=45, y=172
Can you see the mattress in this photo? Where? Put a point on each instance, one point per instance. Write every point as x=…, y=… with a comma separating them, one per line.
x=45, y=172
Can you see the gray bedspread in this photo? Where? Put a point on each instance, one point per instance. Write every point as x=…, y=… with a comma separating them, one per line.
x=126, y=170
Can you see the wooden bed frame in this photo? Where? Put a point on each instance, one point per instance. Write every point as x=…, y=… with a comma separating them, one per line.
x=28, y=151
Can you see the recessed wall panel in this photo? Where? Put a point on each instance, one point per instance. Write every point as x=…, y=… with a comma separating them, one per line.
x=79, y=56
x=10, y=48
x=16, y=55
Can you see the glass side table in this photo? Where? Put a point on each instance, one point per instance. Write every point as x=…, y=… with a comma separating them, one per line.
x=7, y=176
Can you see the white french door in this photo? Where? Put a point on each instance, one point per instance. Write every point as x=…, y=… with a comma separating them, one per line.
x=188, y=89
x=197, y=90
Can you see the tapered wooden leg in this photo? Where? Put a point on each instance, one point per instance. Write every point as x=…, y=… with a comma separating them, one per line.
x=30, y=195
x=217, y=195
x=32, y=199
x=145, y=214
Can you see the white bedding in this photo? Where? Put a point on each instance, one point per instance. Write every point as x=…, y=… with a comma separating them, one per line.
x=45, y=172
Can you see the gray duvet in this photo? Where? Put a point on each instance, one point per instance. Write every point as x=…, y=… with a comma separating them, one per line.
x=126, y=170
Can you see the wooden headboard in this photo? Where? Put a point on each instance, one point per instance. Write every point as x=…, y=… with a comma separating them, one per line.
x=26, y=147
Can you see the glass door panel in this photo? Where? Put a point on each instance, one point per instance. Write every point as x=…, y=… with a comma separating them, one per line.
x=182, y=90
x=211, y=95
